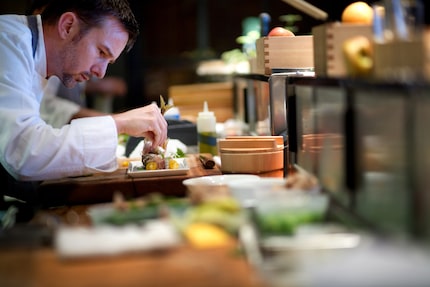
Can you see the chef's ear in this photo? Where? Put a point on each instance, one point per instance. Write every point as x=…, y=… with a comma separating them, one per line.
x=67, y=25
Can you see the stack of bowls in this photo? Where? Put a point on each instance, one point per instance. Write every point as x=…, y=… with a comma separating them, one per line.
x=251, y=154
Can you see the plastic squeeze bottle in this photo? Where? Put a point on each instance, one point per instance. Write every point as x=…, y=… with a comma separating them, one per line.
x=172, y=113
x=206, y=131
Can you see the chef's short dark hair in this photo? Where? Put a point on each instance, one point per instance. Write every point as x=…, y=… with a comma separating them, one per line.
x=91, y=13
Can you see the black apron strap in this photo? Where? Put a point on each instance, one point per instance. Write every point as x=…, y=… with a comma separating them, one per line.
x=32, y=24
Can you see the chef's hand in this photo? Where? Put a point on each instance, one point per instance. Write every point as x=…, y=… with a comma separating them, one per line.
x=147, y=122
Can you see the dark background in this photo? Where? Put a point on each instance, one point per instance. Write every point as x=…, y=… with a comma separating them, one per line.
x=177, y=34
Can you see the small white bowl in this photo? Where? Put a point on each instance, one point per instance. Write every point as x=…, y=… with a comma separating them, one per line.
x=246, y=190
x=206, y=187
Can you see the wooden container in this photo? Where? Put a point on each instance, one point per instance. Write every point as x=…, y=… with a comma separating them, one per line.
x=190, y=98
x=400, y=60
x=284, y=53
x=226, y=144
x=242, y=154
x=327, y=46
x=277, y=140
x=251, y=162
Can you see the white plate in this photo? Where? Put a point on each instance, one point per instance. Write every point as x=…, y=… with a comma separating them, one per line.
x=133, y=170
x=213, y=184
x=217, y=180
x=246, y=191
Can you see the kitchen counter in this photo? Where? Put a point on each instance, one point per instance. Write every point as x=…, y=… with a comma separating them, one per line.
x=29, y=257
x=100, y=187
x=37, y=263
x=183, y=266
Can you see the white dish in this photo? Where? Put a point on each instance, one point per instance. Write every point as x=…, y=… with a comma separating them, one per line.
x=80, y=242
x=247, y=190
x=135, y=171
x=213, y=185
x=311, y=242
x=217, y=180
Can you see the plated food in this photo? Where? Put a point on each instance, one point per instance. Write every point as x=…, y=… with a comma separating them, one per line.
x=157, y=158
x=137, y=169
x=207, y=224
x=153, y=159
x=134, y=211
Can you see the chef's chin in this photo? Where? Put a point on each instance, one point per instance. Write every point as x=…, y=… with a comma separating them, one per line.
x=69, y=81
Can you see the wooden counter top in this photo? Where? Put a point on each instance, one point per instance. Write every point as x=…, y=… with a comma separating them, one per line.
x=65, y=201
x=100, y=187
x=184, y=266
x=35, y=265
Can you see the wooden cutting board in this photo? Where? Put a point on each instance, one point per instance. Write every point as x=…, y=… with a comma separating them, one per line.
x=100, y=187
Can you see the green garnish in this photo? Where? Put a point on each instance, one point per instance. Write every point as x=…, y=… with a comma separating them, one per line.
x=163, y=106
x=179, y=153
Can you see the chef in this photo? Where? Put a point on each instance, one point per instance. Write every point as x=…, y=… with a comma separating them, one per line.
x=73, y=40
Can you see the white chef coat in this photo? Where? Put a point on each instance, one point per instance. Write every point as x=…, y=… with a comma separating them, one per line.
x=30, y=149
x=54, y=110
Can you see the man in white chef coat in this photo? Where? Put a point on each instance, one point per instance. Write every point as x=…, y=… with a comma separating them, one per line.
x=60, y=104
x=73, y=40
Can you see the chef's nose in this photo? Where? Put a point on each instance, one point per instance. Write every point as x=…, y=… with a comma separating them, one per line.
x=99, y=70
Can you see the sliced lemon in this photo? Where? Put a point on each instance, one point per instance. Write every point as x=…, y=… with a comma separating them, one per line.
x=152, y=165
x=173, y=164
x=206, y=235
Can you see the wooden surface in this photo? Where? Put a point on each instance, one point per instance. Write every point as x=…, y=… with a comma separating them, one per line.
x=284, y=53
x=328, y=41
x=189, y=99
x=37, y=265
x=183, y=266
x=30, y=258
x=100, y=187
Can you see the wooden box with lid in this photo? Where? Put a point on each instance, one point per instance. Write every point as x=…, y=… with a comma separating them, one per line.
x=327, y=46
x=284, y=53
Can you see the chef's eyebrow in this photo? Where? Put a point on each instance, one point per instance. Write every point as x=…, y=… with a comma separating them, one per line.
x=108, y=53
